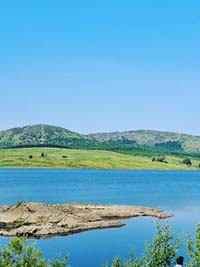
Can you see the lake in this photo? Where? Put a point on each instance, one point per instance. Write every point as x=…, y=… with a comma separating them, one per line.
x=177, y=192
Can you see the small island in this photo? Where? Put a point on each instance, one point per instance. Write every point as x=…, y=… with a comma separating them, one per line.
x=40, y=220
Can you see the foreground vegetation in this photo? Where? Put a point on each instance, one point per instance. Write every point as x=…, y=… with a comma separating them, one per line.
x=162, y=252
x=18, y=255
x=91, y=159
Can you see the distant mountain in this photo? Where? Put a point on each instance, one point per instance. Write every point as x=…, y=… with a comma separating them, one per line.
x=138, y=142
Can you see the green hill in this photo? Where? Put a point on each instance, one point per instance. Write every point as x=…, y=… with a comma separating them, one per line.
x=42, y=135
x=153, y=140
x=142, y=142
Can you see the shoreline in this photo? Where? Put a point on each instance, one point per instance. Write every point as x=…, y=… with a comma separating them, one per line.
x=97, y=169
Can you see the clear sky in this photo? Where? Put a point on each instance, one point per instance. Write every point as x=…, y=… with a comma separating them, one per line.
x=103, y=65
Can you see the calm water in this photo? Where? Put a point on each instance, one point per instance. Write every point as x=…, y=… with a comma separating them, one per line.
x=174, y=191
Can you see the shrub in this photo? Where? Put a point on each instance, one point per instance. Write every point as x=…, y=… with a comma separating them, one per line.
x=193, y=247
x=130, y=263
x=18, y=255
x=30, y=156
x=161, y=252
x=187, y=162
x=43, y=155
x=163, y=249
x=159, y=159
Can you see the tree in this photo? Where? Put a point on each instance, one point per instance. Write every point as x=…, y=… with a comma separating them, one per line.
x=187, y=162
x=163, y=249
x=130, y=263
x=159, y=159
x=161, y=252
x=193, y=248
x=18, y=255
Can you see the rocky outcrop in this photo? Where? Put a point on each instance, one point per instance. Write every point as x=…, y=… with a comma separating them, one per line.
x=39, y=220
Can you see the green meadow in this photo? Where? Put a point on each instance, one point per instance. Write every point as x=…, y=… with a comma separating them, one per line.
x=91, y=159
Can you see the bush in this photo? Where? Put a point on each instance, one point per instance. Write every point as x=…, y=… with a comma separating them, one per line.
x=161, y=252
x=193, y=247
x=163, y=249
x=187, y=162
x=130, y=263
x=159, y=159
x=43, y=155
x=18, y=255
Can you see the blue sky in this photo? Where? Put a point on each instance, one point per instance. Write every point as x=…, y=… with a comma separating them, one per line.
x=106, y=65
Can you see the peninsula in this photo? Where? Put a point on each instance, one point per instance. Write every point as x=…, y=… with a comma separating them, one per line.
x=39, y=220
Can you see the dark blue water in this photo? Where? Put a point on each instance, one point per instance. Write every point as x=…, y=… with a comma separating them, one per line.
x=174, y=191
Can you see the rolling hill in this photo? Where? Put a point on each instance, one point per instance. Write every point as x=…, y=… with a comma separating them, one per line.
x=139, y=142
x=153, y=140
x=42, y=135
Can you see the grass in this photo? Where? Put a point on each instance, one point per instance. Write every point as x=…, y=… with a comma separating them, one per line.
x=91, y=159
x=19, y=203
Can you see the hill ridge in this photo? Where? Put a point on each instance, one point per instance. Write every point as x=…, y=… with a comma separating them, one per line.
x=147, y=131
x=104, y=132
x=126, y=141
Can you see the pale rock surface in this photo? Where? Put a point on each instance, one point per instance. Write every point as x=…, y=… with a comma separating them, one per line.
x=39, y=220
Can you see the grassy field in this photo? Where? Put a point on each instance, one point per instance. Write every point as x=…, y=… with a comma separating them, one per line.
x=91, y=159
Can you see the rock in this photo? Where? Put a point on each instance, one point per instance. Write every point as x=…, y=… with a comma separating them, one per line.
x=39, y=220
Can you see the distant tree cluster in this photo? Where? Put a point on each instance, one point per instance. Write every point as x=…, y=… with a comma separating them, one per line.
x=44, y=155
x=170, y=146
x=160, y=159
